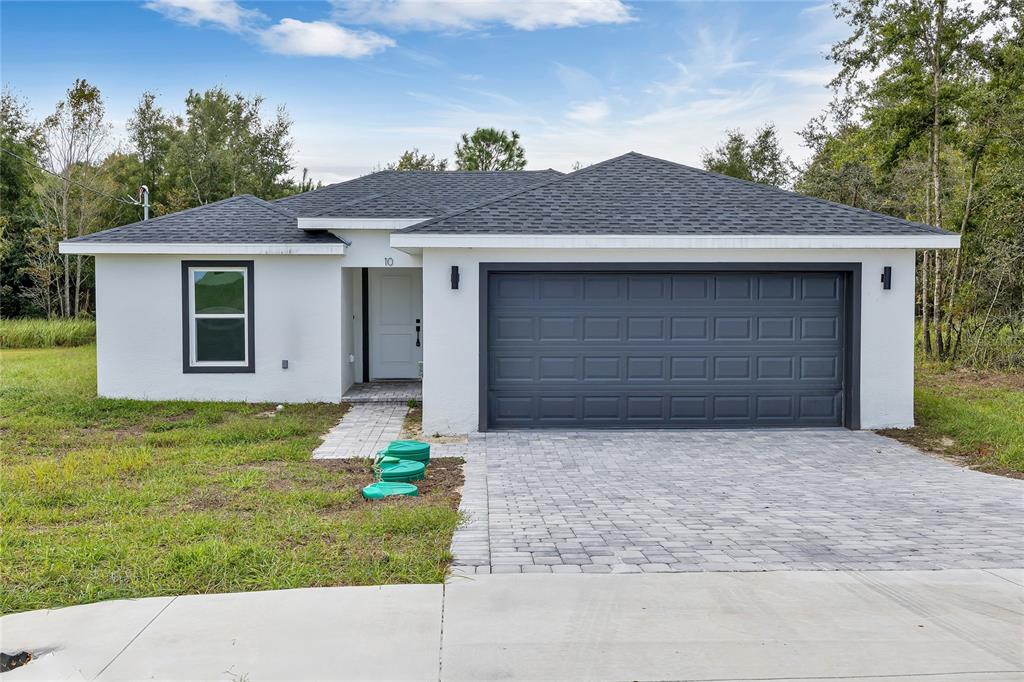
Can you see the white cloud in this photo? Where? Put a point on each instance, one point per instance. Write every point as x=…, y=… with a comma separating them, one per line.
x=225, y=14
x=321, y=39
x=527, y=15
x=589, y=112
x=288, y=36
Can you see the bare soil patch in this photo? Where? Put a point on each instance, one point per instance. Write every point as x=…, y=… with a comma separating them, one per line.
x=412, y=429
x=442, y=483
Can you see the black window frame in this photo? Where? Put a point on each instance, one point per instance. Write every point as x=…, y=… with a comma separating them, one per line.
x=186, y=336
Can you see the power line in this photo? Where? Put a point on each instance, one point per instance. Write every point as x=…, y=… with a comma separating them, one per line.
x=73, y=182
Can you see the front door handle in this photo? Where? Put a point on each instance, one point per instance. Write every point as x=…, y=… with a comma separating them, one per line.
x=417, y=333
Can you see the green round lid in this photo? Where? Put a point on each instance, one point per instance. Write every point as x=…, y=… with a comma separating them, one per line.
x=403, y=470
x=407, y=448
x=377, y=491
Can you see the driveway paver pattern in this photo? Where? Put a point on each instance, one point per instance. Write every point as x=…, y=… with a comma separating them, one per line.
x=676, y=501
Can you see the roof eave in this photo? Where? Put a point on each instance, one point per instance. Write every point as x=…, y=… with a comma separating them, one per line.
x=206, y=249
x=325, y=223
x=419, y=240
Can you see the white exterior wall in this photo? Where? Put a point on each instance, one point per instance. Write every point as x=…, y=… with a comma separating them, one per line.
x=349, y=280
x=451, y=346
x=299, y=317
x=372, y=249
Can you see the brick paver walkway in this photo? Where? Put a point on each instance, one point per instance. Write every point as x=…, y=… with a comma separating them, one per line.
x=363, y=431
x=600, y=502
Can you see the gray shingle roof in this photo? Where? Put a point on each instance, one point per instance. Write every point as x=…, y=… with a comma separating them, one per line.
x=247, y=219
x=244, y=219
x=387, y=205
x=446, y=191
x=637, y=194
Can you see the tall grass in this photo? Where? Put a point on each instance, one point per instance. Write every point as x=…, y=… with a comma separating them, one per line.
x=41, y=333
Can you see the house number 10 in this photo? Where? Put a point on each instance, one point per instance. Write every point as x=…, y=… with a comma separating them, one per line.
x=389, y=261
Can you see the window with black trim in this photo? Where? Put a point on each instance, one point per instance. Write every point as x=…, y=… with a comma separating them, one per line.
x=217, y=316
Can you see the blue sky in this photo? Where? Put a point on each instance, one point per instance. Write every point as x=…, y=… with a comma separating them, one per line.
x=582, y=80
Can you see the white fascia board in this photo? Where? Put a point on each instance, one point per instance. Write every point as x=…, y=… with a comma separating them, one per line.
x=99, y=248
x=407, y=241
x=358, y=223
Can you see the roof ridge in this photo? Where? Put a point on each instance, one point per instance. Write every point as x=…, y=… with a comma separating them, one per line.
x=389, y=172
x=369, y=197
x=269, y=205
x=772, y=188
x=333, y=184
x=501, y=197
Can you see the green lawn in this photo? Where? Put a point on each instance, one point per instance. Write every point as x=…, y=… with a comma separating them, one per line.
x=104, y=499
x=972, y=417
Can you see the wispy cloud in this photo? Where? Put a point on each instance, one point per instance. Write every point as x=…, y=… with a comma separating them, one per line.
x=578, y=82
x=711, y=57
x=526, y=15
x=321, y=39
x=810, y=76
x=223, y=14
x=496, y=96
x=589, y=112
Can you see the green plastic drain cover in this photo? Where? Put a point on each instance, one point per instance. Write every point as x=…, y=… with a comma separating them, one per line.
x=409, y=449
x=403, y=470
x=376, y=491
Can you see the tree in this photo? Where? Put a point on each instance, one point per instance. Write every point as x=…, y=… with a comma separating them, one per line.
x=760, y=160
x=489, y=149
x=226, y=148
x=75, y=136
x=151, y=134
x=926, y=126
x=18, y=179
x=415, y=160
x=921, y=57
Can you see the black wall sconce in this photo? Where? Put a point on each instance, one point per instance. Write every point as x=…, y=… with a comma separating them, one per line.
x=887, y=277
x=455, y=277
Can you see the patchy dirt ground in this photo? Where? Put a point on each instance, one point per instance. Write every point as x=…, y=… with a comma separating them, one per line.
x=948, y=449
x=443, y=481
x=412, y=429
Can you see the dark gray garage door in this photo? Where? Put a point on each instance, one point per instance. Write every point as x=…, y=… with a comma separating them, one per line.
x=656, y=350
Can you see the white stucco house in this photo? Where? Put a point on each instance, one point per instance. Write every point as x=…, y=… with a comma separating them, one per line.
x=635, y=293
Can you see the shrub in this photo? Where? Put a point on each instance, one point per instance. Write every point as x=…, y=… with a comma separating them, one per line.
x=42, y=333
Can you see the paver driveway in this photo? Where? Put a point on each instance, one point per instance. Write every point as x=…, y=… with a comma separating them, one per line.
x=726, y=501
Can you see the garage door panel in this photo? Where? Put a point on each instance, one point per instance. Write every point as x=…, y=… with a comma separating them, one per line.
x=665, y=349
x=691, y=288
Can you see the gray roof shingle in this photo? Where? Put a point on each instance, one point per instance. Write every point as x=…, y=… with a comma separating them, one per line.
x=639, y=195
x=244, y=219
x=385, y=205
x=444, y=190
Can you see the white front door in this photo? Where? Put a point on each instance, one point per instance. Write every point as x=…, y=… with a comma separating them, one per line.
x=396, y=332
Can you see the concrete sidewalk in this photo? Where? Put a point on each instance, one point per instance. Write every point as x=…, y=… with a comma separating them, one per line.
x=873, y=625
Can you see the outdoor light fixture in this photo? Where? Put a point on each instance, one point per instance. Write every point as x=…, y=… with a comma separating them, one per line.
x=887, y=277
x=455, y=277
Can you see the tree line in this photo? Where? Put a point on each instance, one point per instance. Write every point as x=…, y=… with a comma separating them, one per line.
x=62, y=177
x=927, y=124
